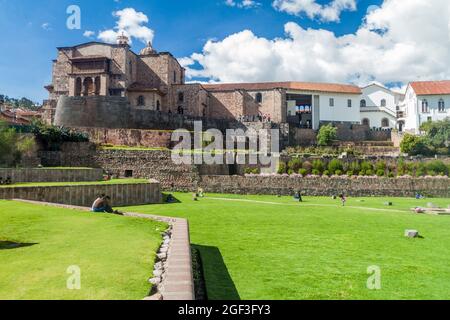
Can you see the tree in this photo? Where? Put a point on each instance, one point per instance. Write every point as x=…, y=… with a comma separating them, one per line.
x=13, y=146
x=414, y=145
x=327, y=134
x=437, y=135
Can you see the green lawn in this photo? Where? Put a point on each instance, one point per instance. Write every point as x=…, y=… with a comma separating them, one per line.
x=115, y=254
x=57, y=184
x=275, y=248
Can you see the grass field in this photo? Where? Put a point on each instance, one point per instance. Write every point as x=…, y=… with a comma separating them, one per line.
x=57, y=184
x=38, y=244
x=264, y=247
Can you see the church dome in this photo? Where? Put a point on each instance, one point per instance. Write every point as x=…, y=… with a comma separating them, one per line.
x=148, y=50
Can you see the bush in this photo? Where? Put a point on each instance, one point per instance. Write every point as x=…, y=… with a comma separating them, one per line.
x=316, y=172
x=350, y=173
x=362, y=173
x=381, y=165
x=318, y=165
x=339, y=172
x=355, y=167
x=414, y=145
x=365, y=166
x=437, y=166
x=369, y=172
x=290, y=172
x=335, y=165
x=52, y=137
x=13, y=146
x=302, y=172
x=391, y=174
x=327, y=134
x=381, y=173
x=307, y=166
x=326, y=173
x=282, y=168
x=256, y=171
x=295, y=164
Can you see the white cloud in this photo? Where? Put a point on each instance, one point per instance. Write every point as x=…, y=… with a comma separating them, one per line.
x=398, y=42
x=132, y=24
x=88, y=34
x=329, y=13
x=242, y=3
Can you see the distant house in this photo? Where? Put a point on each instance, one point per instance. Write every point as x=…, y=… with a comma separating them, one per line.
x=378, y=107
x=18, y=116
x=425, y=101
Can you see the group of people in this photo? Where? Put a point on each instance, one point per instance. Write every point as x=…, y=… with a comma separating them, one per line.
x=103, y=205
x=7, y=181
x=255, y=118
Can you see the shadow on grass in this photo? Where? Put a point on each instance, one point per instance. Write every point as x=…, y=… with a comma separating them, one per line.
x=219, y=284
x=9, y=245
x=169, y=198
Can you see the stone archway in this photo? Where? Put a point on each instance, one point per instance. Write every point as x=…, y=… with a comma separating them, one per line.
x=88, y=87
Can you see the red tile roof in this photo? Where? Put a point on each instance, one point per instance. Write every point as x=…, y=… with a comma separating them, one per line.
x=431, y=87
x=301, y=86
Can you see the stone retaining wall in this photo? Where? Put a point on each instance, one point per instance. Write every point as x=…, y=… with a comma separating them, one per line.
x=52, y=175
x=84, y=195
x=320, y=186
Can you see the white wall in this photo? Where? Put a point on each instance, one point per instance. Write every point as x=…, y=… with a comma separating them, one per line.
x=373, y=95
x=340, y=111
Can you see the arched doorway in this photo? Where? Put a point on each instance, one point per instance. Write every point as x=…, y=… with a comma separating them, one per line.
x=88, y=86
x=366, y=122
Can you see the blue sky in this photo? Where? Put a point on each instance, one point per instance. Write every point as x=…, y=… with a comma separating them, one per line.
x=31, y=31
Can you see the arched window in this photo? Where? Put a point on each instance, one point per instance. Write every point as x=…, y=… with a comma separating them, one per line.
x=383, y=102
x=180, y=97
x=366, y=122
x=78, y=87
x=141, y=101
x=259, y=97
x=363, y=103
x=441, y=105
x=158, y=105
x=425, y=106
x=385, y=123
x=180, y=110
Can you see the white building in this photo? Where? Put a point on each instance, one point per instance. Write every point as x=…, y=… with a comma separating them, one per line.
x=378, y=107
x=424, y=101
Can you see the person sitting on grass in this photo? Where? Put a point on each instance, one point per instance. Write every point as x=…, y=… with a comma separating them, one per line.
x=102, y=204
x=343, y=199
x=8, y=181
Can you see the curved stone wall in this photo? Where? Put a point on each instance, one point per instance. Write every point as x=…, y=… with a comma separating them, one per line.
x=117, y=113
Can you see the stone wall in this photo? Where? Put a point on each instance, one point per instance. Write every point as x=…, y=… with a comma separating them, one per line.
x=129, y=137
x=52, y=175
x=84, y=195
x=117, y=113
x=313, y=186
